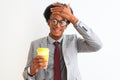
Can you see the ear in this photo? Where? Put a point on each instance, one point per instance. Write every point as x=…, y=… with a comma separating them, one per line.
x=48, y=22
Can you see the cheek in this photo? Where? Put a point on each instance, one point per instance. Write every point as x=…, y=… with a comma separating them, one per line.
x=64, y=28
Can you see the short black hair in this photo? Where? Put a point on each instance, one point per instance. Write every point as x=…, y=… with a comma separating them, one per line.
x=47, y=12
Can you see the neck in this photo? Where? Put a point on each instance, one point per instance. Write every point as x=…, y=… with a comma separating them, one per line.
x=55, y=37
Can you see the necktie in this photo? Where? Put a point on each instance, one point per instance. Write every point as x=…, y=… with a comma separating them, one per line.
x=57, y=62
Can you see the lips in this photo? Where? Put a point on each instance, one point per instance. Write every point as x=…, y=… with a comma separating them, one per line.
x=57, y=30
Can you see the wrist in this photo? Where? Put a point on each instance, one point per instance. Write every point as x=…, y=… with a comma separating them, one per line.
x=73, y=20
x=31, y=71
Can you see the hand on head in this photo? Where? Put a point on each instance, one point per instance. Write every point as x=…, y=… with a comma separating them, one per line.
x=64, y=11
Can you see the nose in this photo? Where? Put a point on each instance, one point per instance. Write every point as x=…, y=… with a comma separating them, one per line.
x=58, y=25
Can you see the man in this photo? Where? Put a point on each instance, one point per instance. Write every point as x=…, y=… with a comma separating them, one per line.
x=58, y=17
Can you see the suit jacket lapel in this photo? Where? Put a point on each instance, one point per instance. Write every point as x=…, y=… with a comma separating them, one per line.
x=64, y=45
x=44, y=42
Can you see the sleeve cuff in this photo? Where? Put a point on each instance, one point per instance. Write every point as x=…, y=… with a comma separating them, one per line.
x=28, y=72
x=82, y=28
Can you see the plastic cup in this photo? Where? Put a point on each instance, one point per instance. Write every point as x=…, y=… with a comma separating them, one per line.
x=43, y=52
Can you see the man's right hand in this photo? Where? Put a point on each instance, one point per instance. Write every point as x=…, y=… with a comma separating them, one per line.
x=38, y=63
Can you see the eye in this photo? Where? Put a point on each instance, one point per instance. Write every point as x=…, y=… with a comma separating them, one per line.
x=63, y=23
x=54, y=21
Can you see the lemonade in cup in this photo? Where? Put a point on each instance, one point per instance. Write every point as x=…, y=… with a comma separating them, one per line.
x=43, y=52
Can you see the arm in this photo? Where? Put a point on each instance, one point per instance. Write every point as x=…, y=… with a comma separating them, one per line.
x=29, y=61
x=90, y=41
x=34, y=63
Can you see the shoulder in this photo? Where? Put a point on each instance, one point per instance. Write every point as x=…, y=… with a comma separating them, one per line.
x=40, y=40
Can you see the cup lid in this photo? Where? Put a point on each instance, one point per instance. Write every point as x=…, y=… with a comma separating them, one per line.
x=42, y=49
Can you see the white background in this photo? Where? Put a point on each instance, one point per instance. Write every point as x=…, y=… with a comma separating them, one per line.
x=22, y=21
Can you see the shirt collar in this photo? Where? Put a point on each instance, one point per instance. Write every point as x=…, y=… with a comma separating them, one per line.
x=51, y=40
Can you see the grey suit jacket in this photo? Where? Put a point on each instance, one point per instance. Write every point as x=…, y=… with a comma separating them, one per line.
x=70, y=47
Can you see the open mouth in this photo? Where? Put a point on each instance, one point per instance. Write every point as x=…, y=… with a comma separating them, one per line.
x=57, y=30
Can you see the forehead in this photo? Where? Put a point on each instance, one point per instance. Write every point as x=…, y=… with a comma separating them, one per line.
x=58, y=17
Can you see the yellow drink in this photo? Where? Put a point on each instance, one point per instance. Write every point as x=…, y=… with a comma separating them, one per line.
x=43, y=52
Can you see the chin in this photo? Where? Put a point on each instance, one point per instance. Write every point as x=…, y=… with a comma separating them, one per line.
x=57, y=35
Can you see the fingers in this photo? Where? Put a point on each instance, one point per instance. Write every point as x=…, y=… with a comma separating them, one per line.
x=59, y=5
x=57, y=9
x=39, y=62
x=68, y=5
x=61, y=9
